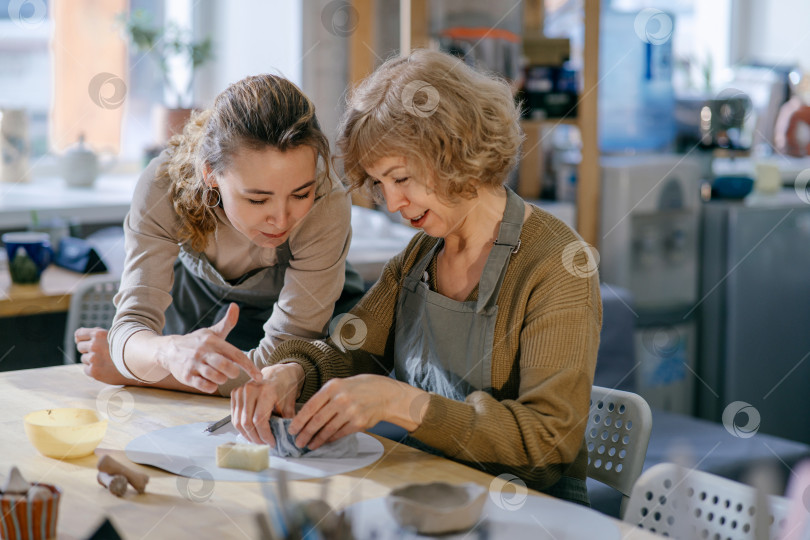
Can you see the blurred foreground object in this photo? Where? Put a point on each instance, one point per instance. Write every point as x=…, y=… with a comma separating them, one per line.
x=14, y=147
x=792, y=129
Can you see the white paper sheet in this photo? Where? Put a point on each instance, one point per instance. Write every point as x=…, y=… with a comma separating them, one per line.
x=505, y=516
x=189, y=451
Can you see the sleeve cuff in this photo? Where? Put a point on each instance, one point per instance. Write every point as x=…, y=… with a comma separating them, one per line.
x=446, y=426
x=117, y=355
x=311, y=379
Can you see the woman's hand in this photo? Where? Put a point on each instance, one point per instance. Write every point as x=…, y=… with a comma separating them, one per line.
x=95, y=355
x=346, y=406
x=203, y=359
x=253, y=403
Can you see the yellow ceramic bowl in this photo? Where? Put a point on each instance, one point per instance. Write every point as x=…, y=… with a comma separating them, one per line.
x=65, y=433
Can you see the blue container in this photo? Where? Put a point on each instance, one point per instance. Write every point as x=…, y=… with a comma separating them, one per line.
x=29, y=253
x=732, y=187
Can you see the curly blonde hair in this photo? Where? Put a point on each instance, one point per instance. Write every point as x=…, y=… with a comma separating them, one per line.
x=255, y=113
x=452, y=123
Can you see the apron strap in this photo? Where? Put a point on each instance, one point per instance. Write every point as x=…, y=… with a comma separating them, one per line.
x=508, y=242
x=413, y=277
x=283, y=253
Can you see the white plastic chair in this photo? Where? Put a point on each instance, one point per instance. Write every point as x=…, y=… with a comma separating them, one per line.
x=685, y=503
x=91, y=305
x=617, y=436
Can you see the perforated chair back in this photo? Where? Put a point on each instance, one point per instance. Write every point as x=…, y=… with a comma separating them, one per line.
x=91, y=305
x=685, y=503
x=617, y=436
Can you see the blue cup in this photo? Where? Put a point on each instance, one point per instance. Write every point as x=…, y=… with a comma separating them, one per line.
x=29, y=253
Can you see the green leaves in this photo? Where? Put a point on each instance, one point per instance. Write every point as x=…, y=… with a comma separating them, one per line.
x=139, y=27
x=201, y=52
x=164, y=44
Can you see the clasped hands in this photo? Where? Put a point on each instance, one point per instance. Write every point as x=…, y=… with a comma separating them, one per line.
x=341, y=407
x=203, y=359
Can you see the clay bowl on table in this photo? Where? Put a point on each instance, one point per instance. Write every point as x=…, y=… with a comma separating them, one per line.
x=65, y=433
x=437, y=507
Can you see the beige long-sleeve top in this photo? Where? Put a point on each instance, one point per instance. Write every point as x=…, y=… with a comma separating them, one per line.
x=544, y=356
x=312, y=283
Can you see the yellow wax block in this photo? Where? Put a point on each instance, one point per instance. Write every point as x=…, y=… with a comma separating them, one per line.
x=250, y=457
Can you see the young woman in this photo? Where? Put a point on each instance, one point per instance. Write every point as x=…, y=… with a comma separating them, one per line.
x=241, y=210
x=489, y=319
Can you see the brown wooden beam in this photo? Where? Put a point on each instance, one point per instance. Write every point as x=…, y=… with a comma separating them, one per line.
x=589, y=178
x=533, y=16
x=362, y=62
x=530, y=169
x=361, y=42
x=420, y=24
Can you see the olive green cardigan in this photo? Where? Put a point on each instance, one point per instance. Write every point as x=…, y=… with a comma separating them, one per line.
x=544, y=356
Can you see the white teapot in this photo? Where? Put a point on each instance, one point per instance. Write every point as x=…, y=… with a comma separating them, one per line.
x=81, y=166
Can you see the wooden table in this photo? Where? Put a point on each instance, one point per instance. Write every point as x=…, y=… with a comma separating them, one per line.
x=228, y=511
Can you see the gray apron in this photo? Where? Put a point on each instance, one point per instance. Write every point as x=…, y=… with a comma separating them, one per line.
x=444, y=346
x=200, y=296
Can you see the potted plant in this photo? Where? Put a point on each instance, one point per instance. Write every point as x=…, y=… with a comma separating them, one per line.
x=169, y=46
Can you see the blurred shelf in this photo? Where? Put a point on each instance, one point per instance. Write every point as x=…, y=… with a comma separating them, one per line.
x=51, y=295
x=588, y=177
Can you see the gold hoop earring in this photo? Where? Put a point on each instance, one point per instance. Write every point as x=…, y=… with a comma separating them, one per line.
x=206, y=195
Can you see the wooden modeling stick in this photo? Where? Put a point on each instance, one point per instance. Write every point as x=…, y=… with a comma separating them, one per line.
x=107, y=464
x=115, y=483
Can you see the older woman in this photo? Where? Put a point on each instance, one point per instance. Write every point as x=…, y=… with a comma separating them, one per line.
x=487, y=320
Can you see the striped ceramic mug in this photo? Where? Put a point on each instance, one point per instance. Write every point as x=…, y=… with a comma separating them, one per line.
x=25, y=519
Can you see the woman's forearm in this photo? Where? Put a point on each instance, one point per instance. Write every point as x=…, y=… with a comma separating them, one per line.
x=142, y=356
x=408, y=406
x=138, y=361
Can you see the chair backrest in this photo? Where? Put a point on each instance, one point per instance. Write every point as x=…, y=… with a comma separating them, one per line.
x=91, y=305
x=687, y=503
x=617, y=436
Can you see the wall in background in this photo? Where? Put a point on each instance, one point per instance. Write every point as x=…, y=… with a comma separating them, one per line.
x=773, y=32
x=25, y=63
x=325, y=61
x=250, y=37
